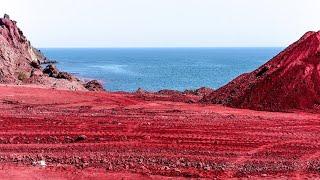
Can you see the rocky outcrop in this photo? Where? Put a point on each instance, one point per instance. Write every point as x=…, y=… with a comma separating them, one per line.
x=169, y=92
x=203, y=91
x=51, y=70
x=94, y=85
x=20, y=63
x=67, y=76
x=291, y=80
x=187, y=96
x=15, y=52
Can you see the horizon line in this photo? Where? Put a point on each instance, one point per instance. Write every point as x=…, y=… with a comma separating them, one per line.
x=160, y=47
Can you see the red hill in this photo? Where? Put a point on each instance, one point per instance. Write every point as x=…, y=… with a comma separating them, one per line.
x=291, y=80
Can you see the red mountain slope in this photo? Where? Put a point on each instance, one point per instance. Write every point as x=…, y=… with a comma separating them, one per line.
x=291, y=80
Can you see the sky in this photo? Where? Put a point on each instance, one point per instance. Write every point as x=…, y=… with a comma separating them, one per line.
x=163, y=23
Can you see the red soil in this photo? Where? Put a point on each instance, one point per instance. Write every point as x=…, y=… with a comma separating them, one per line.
x=100, y=135
x=291, y=80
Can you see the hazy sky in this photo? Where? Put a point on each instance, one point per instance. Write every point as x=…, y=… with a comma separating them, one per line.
x=163, y=23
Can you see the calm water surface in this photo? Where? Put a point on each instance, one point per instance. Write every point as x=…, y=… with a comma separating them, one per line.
x=127, y=69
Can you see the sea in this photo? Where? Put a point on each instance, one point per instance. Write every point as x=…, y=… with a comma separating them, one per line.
x=153, y=69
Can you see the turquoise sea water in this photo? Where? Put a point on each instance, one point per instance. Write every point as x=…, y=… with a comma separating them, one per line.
x=127, y=69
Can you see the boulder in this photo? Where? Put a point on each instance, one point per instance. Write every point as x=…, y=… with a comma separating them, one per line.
x=35, y=64
x=65, y=75
x=51, y=70
x=36, y=72
x=80, y=138
x=94, y=85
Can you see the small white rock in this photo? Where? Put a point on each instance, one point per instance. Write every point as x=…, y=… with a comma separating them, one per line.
x=42, y=163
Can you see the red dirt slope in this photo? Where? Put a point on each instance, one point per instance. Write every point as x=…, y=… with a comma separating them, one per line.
x=291, y=80
x=100, y=135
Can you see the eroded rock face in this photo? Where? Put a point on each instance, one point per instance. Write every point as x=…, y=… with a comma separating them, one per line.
x=291, y=80
x=20, y=62
x=15, y=56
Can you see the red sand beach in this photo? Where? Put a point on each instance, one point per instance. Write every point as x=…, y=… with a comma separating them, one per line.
x=65, y=134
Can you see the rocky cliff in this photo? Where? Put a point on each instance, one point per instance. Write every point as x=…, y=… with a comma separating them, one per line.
x=20, y=62
x=291, y=80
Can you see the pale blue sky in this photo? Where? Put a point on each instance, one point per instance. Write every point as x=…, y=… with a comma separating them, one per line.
x=163, y=23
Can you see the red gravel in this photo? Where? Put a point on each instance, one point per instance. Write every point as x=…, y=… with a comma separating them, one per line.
x=82, y=134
